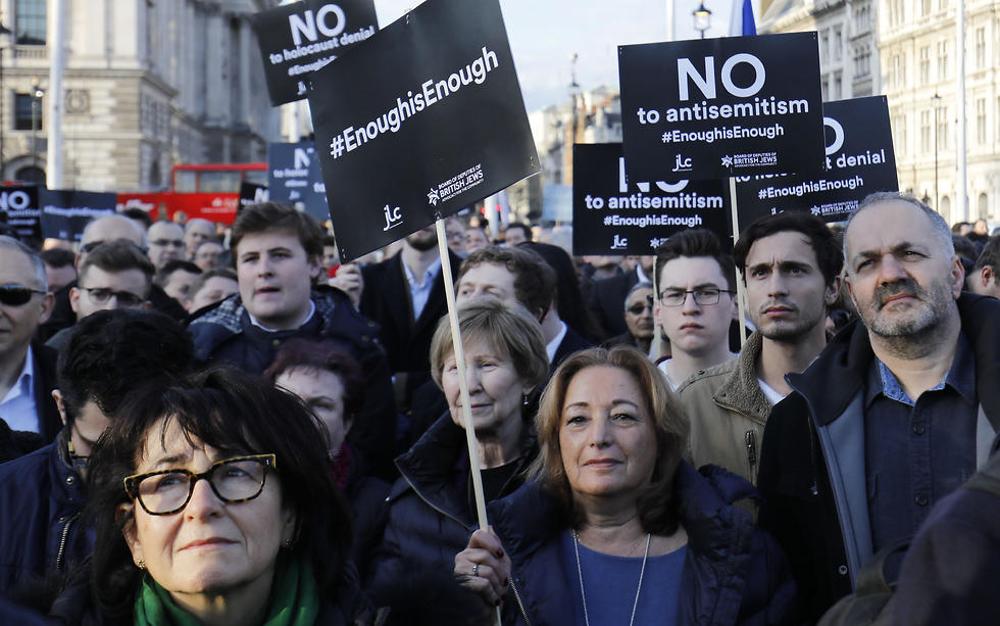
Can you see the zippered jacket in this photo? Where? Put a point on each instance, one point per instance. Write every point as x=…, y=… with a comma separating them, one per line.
x=430, y=521
x=733, y=573
x=727, y=411
x=41, y=530
x=812, y=473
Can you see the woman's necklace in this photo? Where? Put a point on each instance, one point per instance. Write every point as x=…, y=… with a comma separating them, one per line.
x=638, y=588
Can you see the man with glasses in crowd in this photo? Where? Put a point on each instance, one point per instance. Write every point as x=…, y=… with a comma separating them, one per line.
x=791, y=265
x=115, y=275
x=43, y=493
x=27, y=368
x=696, y=303
x=166, y=243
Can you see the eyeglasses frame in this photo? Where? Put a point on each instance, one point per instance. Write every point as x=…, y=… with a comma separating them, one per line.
x=692, y=292
x=114, y=293
x=131, y=483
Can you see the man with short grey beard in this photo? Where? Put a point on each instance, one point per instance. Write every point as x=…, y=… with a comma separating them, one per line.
x=896, y=413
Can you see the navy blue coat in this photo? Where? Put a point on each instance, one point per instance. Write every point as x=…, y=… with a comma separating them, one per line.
x=733, y=573
x=430, y=521
x=41, y=531
x=223, y=334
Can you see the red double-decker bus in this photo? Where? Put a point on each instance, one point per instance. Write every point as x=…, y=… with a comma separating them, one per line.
x=210, y=191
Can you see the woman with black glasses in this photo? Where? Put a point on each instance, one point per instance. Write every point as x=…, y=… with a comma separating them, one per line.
x=211, y=506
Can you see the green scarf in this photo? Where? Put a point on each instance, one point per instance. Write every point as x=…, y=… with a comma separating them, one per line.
x=294, y=601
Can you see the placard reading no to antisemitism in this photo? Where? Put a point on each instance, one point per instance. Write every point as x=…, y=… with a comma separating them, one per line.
x=715, y=108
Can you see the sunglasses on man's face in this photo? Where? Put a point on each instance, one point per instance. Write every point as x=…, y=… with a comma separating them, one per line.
x=16, y=295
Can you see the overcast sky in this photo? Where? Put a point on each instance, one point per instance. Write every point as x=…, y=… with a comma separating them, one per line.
x=544, y=34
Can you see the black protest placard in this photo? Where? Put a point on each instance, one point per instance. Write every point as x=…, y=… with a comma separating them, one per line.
x=859, y=161
x=250, y=194
x=715, y=108
x=299, y=38
x=65, y=212
x=294, y=177
x=20, y=211
x=423, y=120
x=612, y=215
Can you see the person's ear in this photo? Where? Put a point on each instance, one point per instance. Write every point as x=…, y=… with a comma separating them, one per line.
x=289, y=527
x=957, y=276
x=74, y=298
x=832, y=291
x=986, y=277
x=315, y=267
x=48, y=301
x=60, y=404
x=130, y=534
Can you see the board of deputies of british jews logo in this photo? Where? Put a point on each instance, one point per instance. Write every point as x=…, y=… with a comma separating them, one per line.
x=457, y=184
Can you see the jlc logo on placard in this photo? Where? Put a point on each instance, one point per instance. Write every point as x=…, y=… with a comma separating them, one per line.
x=393, y=217
x=619, y=243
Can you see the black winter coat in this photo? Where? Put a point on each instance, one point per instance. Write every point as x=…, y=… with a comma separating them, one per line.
x=733, y=573
x=224, y=334
x=41, y=530
x=430, y=521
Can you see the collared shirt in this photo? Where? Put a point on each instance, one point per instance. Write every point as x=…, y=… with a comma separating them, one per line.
x=420, y=291
x=917, y=452
x=256, y=322
x=553, y=346
x=18, y=407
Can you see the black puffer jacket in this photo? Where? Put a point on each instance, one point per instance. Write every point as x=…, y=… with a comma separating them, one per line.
x=430, y=521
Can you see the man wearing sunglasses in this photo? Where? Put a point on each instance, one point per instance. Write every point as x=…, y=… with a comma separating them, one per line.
x=115, y=275
x=27, y=369
x=43, y=493
x=791, y=266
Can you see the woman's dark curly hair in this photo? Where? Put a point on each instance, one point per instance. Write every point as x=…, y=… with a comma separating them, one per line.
x=656, y=503
x=230, y=411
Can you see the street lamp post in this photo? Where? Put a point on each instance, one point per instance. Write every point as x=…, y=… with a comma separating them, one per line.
x=702, y=18
x=936, y=98
x=36, y=100
x=4, y=38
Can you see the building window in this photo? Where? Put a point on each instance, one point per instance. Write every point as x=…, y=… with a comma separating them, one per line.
x=942, y=59
x=981, y=47
x=26, y=112
x=925, y=65
x=925, y=131
x=942, y=128
x=981, y=120
x=838, y=86
x=29, y=22
x=984, y=206
x=824, y=45
x=838, y=43
x=925, y=7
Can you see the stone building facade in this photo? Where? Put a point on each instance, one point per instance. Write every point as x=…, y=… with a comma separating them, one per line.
x=148, y=84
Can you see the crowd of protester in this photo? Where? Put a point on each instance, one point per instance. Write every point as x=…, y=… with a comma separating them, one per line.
x=225, y=425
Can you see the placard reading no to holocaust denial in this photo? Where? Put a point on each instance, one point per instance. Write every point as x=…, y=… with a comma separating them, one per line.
x=715, y=108
x=613, y=216
x=859, y=161
x=297, y=39
x=423, y=120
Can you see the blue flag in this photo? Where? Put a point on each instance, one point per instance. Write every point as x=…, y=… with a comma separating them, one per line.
x=742, y=22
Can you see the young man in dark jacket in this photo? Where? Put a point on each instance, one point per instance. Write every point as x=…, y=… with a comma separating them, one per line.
x=43, y=493
x=895, y=414
x=277, y=251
